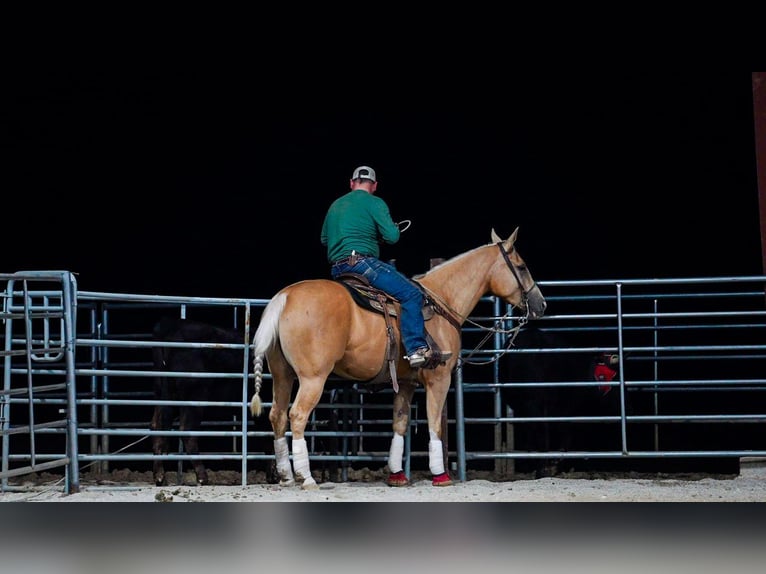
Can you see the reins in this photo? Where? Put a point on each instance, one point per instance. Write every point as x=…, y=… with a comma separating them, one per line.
x=492, y=331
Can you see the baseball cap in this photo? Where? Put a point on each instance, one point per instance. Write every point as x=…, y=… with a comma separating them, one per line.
x=364, y=172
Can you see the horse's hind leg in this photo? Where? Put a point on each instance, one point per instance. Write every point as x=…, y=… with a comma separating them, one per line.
x=283, y=387
x=306, y=400
x=402, y=403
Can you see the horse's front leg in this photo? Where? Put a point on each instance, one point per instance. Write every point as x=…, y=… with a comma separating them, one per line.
x=437, y=387
x=401, y=421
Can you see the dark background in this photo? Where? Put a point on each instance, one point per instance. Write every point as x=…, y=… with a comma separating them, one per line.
x=181, y=178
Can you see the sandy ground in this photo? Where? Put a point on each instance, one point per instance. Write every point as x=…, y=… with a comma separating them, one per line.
x=368, y=486
x=200, y=538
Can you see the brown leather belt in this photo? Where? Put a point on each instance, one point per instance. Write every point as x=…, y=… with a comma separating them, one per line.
x=352, y=259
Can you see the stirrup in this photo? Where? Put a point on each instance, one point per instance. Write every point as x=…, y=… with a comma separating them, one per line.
x=418, y=357
x=427, y=358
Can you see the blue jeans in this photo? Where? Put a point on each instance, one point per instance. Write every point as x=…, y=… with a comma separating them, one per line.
x=386, y=278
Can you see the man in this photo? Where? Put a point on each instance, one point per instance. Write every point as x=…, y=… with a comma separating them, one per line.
x=353, y=229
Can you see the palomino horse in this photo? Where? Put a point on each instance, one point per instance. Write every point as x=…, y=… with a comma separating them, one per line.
x=313, y=328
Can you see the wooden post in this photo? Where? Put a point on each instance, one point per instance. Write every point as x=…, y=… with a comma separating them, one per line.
x=759, y=121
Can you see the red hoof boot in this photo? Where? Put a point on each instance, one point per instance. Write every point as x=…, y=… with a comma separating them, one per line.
x=442, y=479
x=398, y=479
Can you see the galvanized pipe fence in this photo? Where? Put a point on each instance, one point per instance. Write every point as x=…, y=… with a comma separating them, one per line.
x=78, y=380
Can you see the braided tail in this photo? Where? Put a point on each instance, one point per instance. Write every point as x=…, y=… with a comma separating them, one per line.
x=255, y=403
x=266, y=337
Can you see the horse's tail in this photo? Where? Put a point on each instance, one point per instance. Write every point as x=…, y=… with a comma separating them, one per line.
x=265, y=337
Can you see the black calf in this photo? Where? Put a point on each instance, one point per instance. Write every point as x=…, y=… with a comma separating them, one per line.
x=192, y=389
x=561, y=401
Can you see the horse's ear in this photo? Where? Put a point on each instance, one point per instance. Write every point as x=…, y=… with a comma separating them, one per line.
x=495, y=237
x=508, y=244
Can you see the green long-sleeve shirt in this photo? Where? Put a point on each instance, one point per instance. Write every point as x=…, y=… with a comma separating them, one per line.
x=357, y=221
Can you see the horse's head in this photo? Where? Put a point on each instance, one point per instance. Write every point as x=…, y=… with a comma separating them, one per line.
x=515, y=285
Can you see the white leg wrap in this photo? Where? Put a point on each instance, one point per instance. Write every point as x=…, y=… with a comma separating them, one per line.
x=435, y=454
x=395, y=453
x=282, y=454
x=301, y=461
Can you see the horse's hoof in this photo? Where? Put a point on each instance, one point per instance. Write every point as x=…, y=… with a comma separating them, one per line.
x=287, y=482
x=397, y=479
x=309, y=484
x=442, y=479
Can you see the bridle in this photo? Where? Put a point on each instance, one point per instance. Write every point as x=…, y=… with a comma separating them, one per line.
x=512, y=267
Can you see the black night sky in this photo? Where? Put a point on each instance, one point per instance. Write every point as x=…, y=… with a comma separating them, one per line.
x=198, y=180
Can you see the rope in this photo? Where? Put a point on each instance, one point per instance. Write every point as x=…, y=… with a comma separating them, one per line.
x=51, y=486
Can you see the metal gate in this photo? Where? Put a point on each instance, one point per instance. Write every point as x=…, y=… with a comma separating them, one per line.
x=39, y=314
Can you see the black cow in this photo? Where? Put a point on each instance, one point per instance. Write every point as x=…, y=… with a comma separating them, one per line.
x=560, y=401
x=192, y=389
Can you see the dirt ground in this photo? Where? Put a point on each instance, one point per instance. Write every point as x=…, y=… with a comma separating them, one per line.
x=659, y=538
x=369, y=486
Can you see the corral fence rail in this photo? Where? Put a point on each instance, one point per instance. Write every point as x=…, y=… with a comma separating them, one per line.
x=78, y=379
